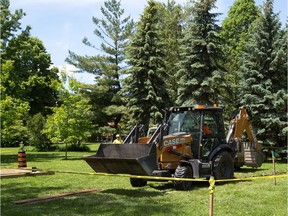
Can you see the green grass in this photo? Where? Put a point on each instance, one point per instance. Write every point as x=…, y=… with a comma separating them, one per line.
x=118, y=197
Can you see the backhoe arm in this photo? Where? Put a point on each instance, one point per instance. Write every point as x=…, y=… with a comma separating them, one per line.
x=240, y=124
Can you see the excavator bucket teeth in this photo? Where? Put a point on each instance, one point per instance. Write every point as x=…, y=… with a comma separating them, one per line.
x=134, y=159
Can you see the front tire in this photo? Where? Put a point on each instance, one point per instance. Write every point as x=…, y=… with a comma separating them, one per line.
x=223, y=166
x=135, y=182
x=183, y=171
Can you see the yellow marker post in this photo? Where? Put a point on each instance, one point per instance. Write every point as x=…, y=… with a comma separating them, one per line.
x=211, y=191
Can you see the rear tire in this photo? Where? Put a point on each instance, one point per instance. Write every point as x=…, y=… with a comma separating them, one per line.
x=183, y=171
x=138, y=182
x=223, y=166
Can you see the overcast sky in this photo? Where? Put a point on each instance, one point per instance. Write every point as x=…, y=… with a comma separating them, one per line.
x=62, y=24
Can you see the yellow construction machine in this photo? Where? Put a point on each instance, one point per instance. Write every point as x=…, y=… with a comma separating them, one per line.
x=191, y=143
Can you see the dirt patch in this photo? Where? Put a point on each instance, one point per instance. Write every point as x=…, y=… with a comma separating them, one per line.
x=22, y=172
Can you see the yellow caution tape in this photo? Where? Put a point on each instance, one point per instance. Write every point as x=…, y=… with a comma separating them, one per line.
x=171, y=178
x=253, y=178
x=175, y=179
x=212, y=185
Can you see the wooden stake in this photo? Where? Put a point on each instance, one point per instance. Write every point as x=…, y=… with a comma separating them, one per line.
x=274, y=167
x=211, y=205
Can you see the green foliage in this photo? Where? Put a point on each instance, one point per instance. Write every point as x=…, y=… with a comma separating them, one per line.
x=234, y=33
x=170, y=33
x=12, y=115
x=235, y=27
x=37, y=138
x=200, y=75
x=263, y=71
x=113, y=30
x=9, y=23
x=144, y=86
x=71, y=122
x=31, y=79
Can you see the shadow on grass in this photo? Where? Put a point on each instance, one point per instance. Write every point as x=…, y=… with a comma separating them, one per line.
x=248, y=170
x=8, y=159
x=108, y=202
x=18, y=191
x=170, y=186
x=132, y=193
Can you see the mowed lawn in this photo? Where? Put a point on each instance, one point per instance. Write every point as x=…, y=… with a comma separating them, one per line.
x=118, y=197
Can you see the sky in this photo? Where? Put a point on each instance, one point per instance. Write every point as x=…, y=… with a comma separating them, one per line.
x=62, y=24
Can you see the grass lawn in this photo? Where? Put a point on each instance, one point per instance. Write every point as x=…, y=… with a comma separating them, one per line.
x=118, y=197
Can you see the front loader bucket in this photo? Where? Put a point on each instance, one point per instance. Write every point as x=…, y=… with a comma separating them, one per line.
x=134, y=159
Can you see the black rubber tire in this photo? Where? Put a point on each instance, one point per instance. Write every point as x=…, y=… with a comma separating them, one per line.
x=183, y=171
x=223, y=166
x=135, y=182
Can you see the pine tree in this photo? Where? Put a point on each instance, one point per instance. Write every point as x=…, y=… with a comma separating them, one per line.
x=263, y=71
x=10, y=23
x=113, y=30
x=200, y=75
x=144, y=85
x=170, y=34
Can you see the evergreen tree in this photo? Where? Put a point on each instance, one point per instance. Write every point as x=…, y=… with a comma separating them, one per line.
x=170, y=34
x=200, y=75
x=10, y=23
x=144, y=85
x=113, y=30
x=37, y=138
x=263, y=71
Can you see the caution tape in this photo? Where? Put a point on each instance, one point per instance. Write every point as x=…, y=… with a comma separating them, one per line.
x=169, y=178
x=134, y=176
x=175, y=179
x=253, y=178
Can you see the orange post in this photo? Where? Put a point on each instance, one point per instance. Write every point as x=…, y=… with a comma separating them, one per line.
x=22, y=159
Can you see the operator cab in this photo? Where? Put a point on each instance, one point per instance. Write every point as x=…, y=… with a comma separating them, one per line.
x=204, y=124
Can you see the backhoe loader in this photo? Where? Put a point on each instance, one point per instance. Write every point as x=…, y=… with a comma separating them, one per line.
x=191, y=143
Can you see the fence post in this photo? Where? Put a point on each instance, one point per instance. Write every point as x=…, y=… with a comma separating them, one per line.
x=274, y=168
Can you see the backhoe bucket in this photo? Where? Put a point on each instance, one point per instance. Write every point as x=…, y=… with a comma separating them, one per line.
x=134, y=159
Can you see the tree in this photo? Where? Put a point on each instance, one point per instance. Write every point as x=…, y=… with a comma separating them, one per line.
x=13, y=113
x=234, y=32
x=113, y=30
x=235, y=27
x=200, y=75
x=263, y=76
x=9, y=23
x=37, y=138
x=71, y=121
x=144, y=87
x=170, y=34
x=32, y=80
